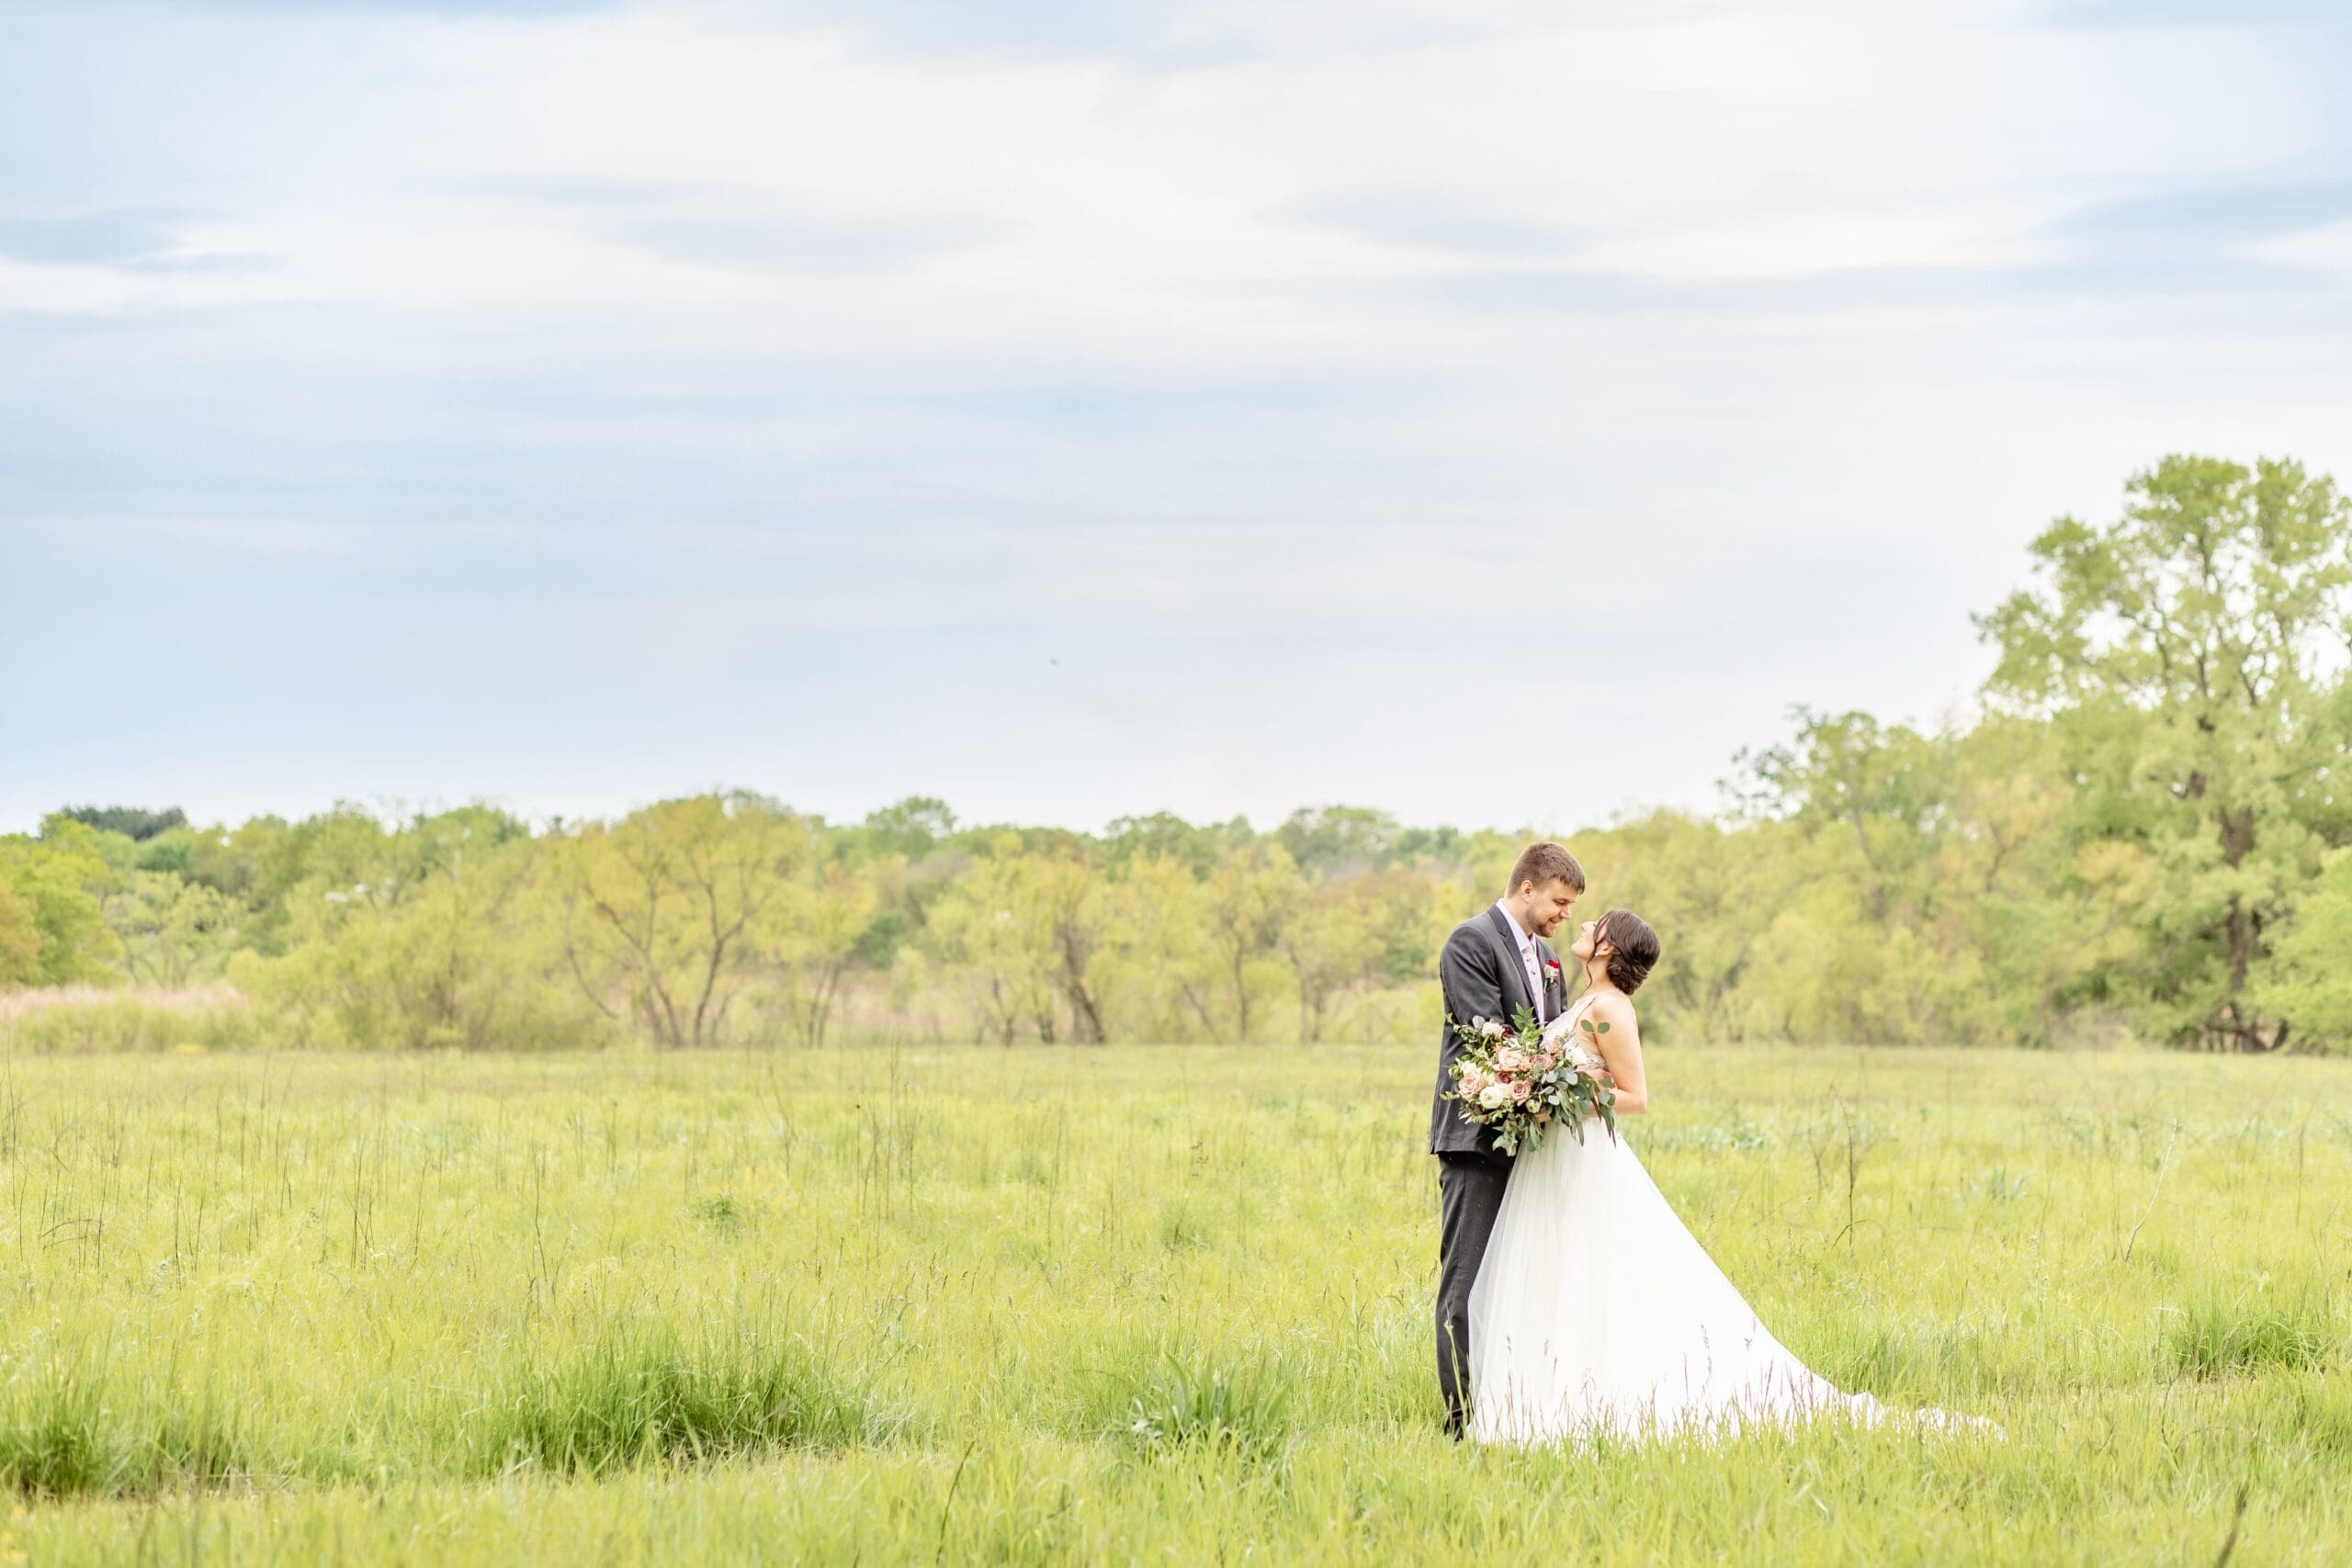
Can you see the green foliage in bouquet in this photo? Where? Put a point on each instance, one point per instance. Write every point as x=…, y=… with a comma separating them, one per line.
x=1517, y=1083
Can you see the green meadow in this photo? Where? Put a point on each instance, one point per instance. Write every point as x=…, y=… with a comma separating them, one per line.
x=1056, y=1304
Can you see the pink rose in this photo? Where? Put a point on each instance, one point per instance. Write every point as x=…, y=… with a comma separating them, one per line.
x=1518, y=1092
x=1510, y=1058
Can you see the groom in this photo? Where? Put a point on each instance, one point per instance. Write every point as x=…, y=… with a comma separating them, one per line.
x=1494, y=965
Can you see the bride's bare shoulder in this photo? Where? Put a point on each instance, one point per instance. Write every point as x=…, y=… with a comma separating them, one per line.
x=1613, y=1006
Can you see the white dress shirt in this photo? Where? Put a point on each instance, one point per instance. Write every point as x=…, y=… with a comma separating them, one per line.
x=1528, y=958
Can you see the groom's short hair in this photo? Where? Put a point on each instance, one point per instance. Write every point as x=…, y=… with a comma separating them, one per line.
x=1542, y=864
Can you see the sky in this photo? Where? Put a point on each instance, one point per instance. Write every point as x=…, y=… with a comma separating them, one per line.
x=1494, y=412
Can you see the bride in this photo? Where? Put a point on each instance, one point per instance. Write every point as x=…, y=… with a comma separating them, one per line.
x=1595, y=1310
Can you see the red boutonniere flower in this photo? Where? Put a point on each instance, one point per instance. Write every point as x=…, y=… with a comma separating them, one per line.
x=1551, y=971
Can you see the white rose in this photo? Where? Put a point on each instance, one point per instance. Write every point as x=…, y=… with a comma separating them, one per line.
x=1495, y=1096
x=1491, y=1029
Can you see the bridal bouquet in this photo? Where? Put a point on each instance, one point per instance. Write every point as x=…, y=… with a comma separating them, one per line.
x=1513, y=1080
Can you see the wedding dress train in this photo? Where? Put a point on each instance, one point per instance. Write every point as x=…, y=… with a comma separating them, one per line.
x=1597, y=1311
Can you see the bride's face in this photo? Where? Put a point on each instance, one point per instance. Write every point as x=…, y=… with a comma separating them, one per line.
x=1586, y=934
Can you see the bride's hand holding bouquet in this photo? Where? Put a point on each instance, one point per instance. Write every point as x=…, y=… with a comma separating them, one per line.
x=1520, y=1080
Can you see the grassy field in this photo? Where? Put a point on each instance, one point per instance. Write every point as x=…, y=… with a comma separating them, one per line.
x=1051, y=1306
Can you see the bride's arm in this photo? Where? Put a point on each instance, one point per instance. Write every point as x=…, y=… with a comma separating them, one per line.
x=1621, y=1048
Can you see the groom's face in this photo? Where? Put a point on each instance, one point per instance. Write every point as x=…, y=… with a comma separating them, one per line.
x=1541, y=910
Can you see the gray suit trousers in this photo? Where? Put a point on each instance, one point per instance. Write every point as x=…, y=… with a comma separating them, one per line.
x=1470, y=1193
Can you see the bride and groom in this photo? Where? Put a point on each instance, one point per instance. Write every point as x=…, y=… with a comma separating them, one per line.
x=1571, y=1300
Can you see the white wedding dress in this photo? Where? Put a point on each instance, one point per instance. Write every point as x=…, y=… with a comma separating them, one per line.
x=1596, y=1310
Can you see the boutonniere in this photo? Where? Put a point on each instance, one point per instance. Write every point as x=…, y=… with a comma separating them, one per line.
x=1551, y=972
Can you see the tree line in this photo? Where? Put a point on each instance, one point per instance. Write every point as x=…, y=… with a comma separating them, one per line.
x=2143, y=830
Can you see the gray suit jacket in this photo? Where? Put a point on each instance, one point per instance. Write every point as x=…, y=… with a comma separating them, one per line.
x=1482, y=977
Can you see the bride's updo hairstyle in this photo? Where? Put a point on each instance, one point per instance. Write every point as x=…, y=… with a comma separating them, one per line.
x=1633, y=948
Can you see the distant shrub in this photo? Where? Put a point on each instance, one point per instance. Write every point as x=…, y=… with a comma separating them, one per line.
x=80, y=1020
x=430, y=973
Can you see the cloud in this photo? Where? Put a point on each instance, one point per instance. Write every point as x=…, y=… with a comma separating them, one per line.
x=444, y=7
x=118, y=237
x=1259, y=359
x=658, y=158
x=2323, y=248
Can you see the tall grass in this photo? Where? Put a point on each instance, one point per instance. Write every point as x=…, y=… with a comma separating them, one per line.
x=2218, y=1336
x=1241, y=1408
x=67, y=1431
x=1047, y=1306
x=641, y=1394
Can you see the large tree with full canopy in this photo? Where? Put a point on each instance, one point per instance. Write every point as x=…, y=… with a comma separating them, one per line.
x=2192, y=653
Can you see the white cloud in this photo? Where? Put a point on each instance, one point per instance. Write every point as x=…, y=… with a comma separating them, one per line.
x=367, y=150
x=1344, y=314
x=2325, y=247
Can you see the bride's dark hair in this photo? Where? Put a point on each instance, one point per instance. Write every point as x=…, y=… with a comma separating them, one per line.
x=1633, y=948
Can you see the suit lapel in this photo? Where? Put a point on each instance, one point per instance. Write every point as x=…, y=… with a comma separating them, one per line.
x=1507, y=947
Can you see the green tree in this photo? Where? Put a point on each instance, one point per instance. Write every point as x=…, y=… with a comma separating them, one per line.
x=283, y=873
x=1154, y=971
x=1247, y=901
x=2309, y=978
x=1169, y=837
x=171, y=933
x=1882, y=787
x=1335, y=936
x=912, y=828
x=133, y=822
x=58, y=878
x=463, y=956
x=2191, y=654
x=1711, y=890
x=2051, y=919
x=1339, y=840
x=1075, y=908
x=813, y=938
x=989, y=937
x=662, y=912
x=20, y=938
